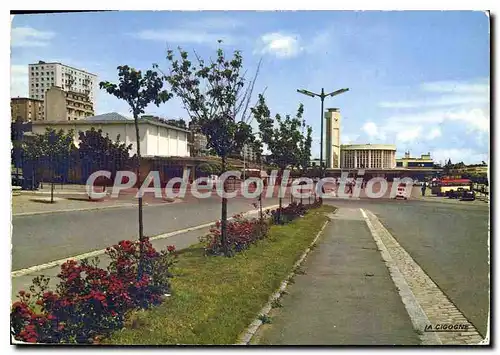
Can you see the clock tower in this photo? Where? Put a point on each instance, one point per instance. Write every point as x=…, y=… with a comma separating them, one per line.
x=332, y=117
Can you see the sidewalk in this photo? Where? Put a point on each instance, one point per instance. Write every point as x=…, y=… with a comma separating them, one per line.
x=346, y=297
x=30, y=204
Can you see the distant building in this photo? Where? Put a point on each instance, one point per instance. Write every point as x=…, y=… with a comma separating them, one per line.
x=63, y=105
x=43, y=76
x=368, y=156
x=26, y=109
x=197, y=141
x=425, y=161
x=157, y=139
x=248, y=153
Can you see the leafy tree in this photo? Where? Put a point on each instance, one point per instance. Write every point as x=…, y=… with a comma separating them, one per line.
x=17, y=130
x=99, y=152
x=282, y=137
x=216, y=95
x=49, y=152
x=305, y=149
x=138, y=91
x=177, y=123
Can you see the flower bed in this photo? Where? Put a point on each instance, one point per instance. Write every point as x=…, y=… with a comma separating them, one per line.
x=90, y=302
x=242, y=232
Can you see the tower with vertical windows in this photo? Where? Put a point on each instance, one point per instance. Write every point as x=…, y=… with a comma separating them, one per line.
x=332, y=146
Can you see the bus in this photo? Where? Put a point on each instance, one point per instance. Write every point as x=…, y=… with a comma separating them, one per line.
x=447, y=187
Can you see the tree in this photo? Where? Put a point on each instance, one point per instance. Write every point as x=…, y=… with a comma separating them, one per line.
x=305, y=148
x=17, y=130
x=50, y=152
x=282, y=137
x=99, y=152
x=138, y=91
x=216, y=96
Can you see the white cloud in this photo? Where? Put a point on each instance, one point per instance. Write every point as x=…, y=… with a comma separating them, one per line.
x=349, y=138
x=434, y=133
x=409, y=134
x=449, y=100
x=475, y=119
x=468, y=156
x=371, y=129
x=30, y=37
x=458, y=87
x=184, y=36
x=280, y=45
x=19, y=80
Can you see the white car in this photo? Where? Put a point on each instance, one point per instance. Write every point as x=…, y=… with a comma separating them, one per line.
x=402, y=192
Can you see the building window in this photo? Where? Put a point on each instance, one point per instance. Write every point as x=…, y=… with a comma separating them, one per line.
x=42, y=68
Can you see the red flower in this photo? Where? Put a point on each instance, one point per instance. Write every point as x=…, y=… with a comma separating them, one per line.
x=171, y=248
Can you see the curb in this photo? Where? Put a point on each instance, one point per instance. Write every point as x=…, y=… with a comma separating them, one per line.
x=247, y=335
x=37, y=268
x=416, y=313
x=131, y=204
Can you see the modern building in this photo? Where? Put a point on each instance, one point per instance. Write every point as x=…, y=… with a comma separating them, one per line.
x=43, y=76
x=63, y=105
x=26, y=109
x=425, y=161
x=368, y=156
x=157, y=139
x=248, y=154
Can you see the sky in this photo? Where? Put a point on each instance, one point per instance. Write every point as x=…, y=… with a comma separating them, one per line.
x=419, y=80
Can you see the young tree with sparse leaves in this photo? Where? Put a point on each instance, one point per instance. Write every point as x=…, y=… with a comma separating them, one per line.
x=216, y=95
x=138, y=91
x=282, y=136
x=98, y=152
x=50, y=152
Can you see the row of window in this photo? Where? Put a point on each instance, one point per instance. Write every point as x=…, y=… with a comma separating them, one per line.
x=367, y=159
x=41, y=67
x=36, y=73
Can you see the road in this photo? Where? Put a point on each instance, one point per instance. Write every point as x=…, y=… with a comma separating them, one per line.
x=448, y=241
x=39, y=239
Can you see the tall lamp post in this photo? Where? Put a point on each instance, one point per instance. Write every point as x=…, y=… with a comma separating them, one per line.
x=322, y=97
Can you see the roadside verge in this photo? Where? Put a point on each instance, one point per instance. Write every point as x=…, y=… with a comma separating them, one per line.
x=215, y=298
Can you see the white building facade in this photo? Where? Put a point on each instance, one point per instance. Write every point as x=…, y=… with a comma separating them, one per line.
x=42, y=76
x=156, y=139
x=368, y=156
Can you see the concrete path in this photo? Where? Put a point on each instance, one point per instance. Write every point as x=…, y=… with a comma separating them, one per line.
x=346, y=297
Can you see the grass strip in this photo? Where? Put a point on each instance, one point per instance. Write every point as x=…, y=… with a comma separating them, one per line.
x=215, y=298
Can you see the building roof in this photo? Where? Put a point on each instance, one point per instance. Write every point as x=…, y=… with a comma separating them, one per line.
x=25, y=98
x=41, y=62
x=368, y=147
x=111, y=118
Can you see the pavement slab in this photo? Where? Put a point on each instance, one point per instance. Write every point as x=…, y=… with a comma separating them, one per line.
x=346, y=296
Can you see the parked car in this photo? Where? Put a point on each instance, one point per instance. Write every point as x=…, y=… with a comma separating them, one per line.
x=402, y=192
x=468, y=195
x=17, y=180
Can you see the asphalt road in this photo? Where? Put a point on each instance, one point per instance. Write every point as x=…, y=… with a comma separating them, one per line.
x=449, y=242
x=39, y=239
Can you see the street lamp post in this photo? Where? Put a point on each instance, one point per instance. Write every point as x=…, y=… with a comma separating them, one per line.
x=322, y=97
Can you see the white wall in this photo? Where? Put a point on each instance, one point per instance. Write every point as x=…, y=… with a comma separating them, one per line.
x=155, y=140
